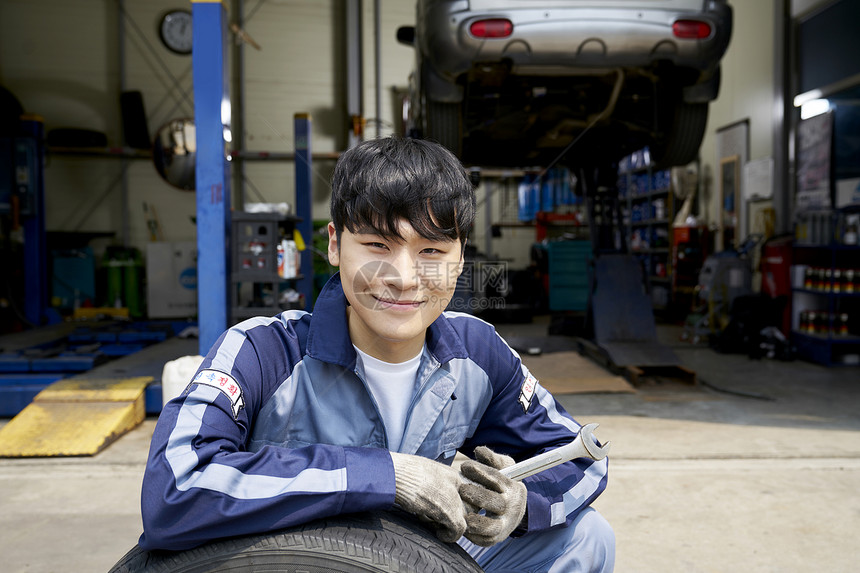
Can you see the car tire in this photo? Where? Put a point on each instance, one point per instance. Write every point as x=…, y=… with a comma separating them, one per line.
x=681, y=145
x=359, y=543
x=443, y=125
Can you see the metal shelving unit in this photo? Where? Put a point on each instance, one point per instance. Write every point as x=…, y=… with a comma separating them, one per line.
x=649, y=213
x=824, y=339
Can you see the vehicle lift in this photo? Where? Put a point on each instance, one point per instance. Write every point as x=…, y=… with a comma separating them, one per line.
x=110, y=402
x=22, y=197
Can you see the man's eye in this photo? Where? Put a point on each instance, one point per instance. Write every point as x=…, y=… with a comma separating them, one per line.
x=375, y=245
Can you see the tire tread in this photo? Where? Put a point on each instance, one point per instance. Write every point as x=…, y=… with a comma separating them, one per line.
x=379, y=541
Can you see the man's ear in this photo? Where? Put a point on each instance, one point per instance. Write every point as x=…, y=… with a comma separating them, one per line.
x=462, y=262
x=333, y=246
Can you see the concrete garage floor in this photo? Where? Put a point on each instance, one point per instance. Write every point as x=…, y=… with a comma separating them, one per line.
x=700, y=480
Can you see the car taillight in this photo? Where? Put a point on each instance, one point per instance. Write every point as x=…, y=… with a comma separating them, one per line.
x=493, y=28
x=691, y=29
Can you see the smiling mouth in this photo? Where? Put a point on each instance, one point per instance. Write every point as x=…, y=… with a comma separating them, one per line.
x=397, y=304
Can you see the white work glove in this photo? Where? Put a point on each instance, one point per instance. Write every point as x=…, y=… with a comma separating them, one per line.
x=503, y=499
x=429, y=490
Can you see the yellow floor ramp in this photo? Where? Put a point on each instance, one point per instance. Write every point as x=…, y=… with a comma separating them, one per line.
x=75, y=417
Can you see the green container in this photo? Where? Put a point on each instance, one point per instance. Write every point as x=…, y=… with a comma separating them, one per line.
x=569, y=263
x=123, y=279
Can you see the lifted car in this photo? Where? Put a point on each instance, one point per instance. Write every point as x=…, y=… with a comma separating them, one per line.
x=522, y=83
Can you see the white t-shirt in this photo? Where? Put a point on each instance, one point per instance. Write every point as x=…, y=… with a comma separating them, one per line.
x=392, y=386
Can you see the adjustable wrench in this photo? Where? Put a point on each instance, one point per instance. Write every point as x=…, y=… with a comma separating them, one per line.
x=584, y=446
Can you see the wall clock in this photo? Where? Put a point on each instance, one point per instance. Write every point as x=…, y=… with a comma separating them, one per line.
x=175, y=31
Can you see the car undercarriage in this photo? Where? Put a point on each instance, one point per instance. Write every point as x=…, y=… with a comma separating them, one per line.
x=520, y=120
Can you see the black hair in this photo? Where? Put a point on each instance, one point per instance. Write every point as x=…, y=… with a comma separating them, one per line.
x=381, y=181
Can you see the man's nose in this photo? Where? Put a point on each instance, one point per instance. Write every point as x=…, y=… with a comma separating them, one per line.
x=403, y=273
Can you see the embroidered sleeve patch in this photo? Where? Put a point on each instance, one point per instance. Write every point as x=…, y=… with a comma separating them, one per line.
x=226, y=384
x=527, y=392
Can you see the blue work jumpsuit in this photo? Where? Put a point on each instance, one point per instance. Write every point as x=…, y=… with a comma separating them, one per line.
x=278, y=428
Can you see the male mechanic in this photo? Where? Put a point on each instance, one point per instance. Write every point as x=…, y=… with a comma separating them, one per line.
x=363, y=404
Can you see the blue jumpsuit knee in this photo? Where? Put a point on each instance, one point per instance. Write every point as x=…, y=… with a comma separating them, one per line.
x=587, y=545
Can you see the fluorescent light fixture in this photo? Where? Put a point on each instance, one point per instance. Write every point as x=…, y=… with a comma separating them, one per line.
x=814, y=107
x=801, y=99
x=828, y=90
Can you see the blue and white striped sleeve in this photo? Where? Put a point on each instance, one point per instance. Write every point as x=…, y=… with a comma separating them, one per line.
x=523, y=420
x=201, y=483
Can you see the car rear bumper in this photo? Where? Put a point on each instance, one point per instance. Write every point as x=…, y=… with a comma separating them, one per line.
x=561, y=41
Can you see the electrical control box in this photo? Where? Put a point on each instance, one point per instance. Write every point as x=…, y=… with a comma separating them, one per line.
x=171, y=279
x=18, y=175
x=26, y=175
x=7, y=178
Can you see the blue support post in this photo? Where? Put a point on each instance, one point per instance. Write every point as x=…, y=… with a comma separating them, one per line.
x=304, y=173
x=211, y=115
x=29, y=159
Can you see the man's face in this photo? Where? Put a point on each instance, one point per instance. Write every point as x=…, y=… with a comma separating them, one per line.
x=395, y=288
